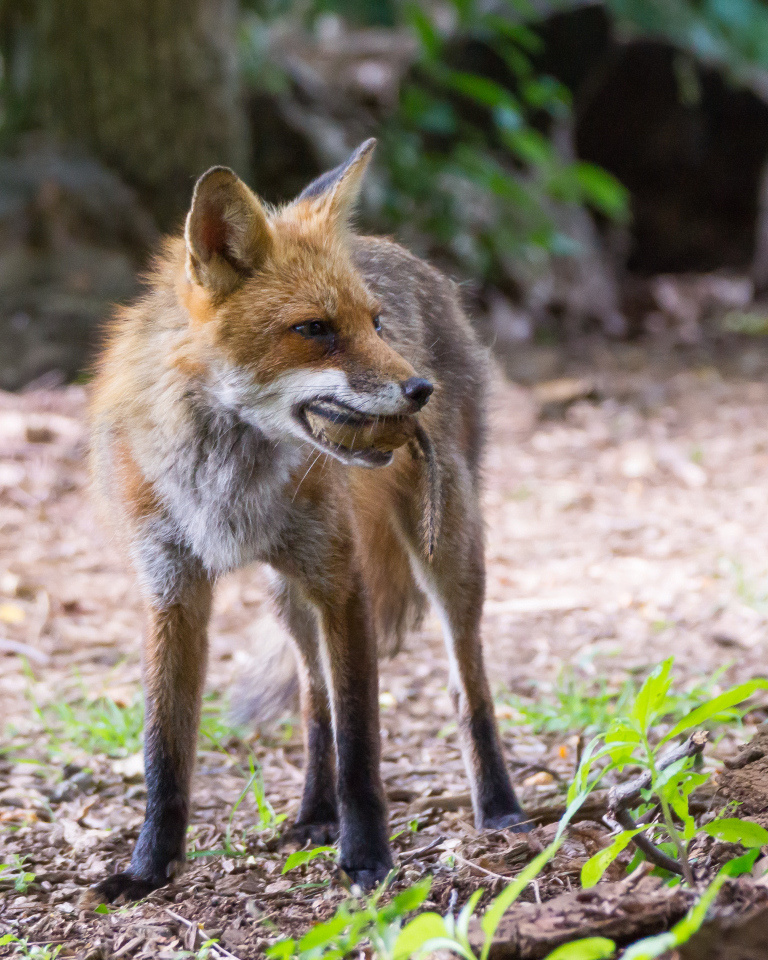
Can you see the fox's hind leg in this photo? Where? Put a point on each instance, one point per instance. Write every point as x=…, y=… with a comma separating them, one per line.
x=455, y=582
x=318, y=818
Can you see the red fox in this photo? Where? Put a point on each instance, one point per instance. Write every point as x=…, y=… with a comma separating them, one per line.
x=286, y=392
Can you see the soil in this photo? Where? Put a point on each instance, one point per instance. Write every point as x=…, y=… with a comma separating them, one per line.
x=626, y=522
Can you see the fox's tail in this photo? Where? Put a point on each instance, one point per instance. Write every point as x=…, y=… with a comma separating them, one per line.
x=269, y=686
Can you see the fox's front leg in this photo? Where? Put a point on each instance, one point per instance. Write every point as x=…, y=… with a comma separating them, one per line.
x=174, y=662
x=345, y=619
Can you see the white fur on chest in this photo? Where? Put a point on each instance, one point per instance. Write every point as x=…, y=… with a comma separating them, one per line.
x=226, y=491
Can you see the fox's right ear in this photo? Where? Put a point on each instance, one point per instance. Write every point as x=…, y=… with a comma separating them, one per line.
x=227, y=232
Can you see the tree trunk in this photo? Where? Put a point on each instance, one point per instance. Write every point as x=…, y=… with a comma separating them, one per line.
x=150, y=87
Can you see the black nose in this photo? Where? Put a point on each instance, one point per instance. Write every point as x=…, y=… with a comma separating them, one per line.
x=418, y=391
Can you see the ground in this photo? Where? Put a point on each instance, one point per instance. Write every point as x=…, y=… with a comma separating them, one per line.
x=626, y=521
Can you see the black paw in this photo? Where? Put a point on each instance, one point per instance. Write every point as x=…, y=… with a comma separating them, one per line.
x=124, y=885
x=517, y=822
x=368, y=874
x=319, y=834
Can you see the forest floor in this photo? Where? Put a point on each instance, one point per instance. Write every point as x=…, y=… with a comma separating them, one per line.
x=626, y=521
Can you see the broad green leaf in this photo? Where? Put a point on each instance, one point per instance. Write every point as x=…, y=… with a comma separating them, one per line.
x=596, y=866
x=530, y=146
x=670, y=773
x=652, y=694
x=416, y=933
x=481, y=90
x=742, y=864
x=592, y=948
x=413, y=897
x=282, y=950
x=602, y=190
x=301, y=857
x=716, y=706
x=323, y=933
x=734, y=830
x=429, y=38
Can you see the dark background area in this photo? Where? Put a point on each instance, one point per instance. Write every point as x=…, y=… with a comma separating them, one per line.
x=589, y=171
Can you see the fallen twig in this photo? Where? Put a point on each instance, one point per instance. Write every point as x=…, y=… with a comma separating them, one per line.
x=415, y=854
x=190, y=923
x=24, y=650
x=641, y=841
x=629, y=794
x=626, y=795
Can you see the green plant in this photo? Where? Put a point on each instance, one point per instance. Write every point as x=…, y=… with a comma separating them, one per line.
x=30, y=951
x=630, y=740
x=14, y=872
x=575, y=705
x=100, y=725
x=465, y=163
x=268, y=820
x=364, y=918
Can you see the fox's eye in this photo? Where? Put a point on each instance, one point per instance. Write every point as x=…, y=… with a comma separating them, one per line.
x=377, y=323
x=315, y=330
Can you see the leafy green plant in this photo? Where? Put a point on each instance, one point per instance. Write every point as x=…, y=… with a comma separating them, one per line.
x=630, y=740
x=302, y=857
x=28, y=951
x=464, y=162
x=16, y=873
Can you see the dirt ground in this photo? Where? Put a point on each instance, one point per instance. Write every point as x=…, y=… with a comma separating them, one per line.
x=626, y=522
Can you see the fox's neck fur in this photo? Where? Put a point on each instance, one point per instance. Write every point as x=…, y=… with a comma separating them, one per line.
x=226, y=485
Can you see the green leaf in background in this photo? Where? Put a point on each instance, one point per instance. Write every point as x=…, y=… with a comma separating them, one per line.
x=592, y=948
x=733, y=830
x=717, y=706
x=596, y=866
x=602, y=190
x=429, y=39
x=301, y=857
x=486, y=92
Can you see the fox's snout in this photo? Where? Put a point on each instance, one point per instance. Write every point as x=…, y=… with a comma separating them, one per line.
x=417, y=390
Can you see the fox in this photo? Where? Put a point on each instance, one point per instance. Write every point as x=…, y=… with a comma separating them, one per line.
x=286, y=392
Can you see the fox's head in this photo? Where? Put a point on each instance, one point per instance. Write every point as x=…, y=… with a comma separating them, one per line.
x=296, y=342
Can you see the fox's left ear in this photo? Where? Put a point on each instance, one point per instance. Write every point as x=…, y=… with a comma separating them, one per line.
x=227, y=232
x=336, y=192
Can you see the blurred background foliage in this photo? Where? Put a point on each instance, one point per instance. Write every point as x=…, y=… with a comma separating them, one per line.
x=550, y=154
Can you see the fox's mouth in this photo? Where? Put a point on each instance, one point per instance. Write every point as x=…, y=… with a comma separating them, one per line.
x=352, y=436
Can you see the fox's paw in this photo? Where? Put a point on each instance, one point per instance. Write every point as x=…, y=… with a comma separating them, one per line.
x=367, y=873
x=124, y=885
x=517, y=822
x=319, y=834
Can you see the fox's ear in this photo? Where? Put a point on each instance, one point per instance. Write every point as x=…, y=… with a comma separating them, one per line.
x=336, y=192
x=227, y=232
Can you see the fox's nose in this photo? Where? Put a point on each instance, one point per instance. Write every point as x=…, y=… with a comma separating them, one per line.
x=417, y=390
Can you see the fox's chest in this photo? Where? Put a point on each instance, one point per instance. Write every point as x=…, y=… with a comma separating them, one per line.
x=230, y=496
